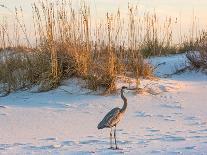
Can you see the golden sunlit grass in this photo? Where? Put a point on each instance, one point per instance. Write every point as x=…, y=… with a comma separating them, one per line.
x=69, y=43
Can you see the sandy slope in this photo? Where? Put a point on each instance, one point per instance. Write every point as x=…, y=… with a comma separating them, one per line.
x=57, y=122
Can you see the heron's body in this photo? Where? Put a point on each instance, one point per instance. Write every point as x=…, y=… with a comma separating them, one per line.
x=113, y=117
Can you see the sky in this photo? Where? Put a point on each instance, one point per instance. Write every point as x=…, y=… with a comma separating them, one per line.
x=173, y=8
x=182, y=9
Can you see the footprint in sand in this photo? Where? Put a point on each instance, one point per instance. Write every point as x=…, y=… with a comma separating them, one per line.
x=170, y=120
x=143, y=142
x=153, y=130
x=49, y=139
x=193, y=121
x=142, y=114
x=189, y=147
x=172, y=138
x=3, y=107
x=198, y=137
x=177, y=113
x=203, y=131
x=68, y=143
x=174, y=152
x=44, y=147
x=172, y=106
x=3, y=114
x=5, y=146
x=166, y=117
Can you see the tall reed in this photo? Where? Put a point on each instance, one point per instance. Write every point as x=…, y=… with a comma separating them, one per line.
x=69, y=43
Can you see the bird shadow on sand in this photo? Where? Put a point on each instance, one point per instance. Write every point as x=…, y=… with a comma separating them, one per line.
x=93, y=141
x=113, y=150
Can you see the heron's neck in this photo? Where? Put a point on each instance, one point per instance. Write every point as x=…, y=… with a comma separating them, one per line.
x=123, y=109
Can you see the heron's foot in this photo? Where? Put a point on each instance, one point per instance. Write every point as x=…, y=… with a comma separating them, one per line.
x=112, y=148
x=117, y=148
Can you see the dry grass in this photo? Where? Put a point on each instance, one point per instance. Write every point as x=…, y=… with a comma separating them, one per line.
x=198, y=59
x=67, y=45
x=20, y=70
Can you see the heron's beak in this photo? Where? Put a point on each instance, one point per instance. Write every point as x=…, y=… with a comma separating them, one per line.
x=131, y=89
x=126, y=90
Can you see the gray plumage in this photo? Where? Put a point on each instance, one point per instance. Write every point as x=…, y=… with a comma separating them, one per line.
x=113, y=117
x=110, y=119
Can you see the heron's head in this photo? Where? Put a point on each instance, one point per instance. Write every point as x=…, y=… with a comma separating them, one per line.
x=124, y=87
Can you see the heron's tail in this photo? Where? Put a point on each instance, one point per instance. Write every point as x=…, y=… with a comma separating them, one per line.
x=101, y=125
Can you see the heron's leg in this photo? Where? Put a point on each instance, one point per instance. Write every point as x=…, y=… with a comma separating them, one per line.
x=111, y=138
x=115, y=137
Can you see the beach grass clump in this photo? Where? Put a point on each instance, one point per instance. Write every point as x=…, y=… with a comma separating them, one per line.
x=68, y=42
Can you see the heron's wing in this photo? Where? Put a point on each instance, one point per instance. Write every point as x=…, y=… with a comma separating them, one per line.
x=109, y=119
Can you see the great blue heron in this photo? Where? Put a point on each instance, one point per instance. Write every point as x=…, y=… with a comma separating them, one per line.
x=113, y=117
